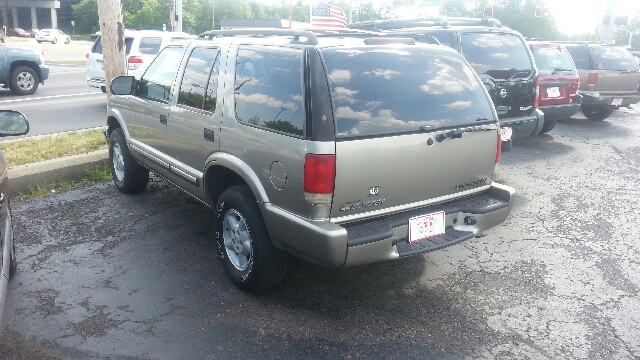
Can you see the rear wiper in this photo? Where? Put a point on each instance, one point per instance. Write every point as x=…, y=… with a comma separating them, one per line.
x=527, y=72
x=556, y=70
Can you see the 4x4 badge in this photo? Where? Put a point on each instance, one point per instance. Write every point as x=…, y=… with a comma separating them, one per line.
x=503, y=93
x=374, y=190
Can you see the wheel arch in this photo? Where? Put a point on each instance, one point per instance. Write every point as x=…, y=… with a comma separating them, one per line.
x=35, y=67
x=224, y=171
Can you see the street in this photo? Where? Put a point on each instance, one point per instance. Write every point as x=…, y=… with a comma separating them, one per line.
x=106, y=275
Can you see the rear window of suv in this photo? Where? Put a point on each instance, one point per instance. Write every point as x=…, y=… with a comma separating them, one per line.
x=379, y=90
x=614, y=58
x=553, y=60
x=150, y=45
x=97, y=46
x=498, y=55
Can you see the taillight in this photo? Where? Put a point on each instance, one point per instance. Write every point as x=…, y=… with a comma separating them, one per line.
x=134, y=62
x=319, y=178
x=87, y=56
x=593, y=78
x=499, y=148
x=535, y=105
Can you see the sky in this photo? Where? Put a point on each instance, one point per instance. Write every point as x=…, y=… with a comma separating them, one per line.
x=572, y=16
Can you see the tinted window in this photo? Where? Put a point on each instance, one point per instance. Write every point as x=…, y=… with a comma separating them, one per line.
x=444, y=39
x=195, y=80
x=382, y=90
x=156, y=81
x=498, y=55
x=97, y=46
x=580, y=56
x=553, y=60
x=150, y=45
x=614, y=58
x=269, y=88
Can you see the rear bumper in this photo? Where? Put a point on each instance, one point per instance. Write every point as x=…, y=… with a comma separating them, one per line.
x=386, y=237
x=97, y=83
x=526, y=125
x=608, y=98
x=561, y=112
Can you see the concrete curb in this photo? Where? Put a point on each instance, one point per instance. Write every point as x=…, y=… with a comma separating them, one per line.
x=23, y=177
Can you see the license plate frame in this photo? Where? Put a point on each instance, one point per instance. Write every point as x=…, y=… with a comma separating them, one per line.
x=616, y=101
x=426, y=226
x=553, y=92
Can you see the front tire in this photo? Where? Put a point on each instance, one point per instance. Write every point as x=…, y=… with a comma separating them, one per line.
x=67, y=40
x=24, y=81
x=54, y=41
x=128, y=176
x=596, y=112
x=248, y=257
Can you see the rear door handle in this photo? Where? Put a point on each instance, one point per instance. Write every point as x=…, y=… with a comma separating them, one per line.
x=163, y=119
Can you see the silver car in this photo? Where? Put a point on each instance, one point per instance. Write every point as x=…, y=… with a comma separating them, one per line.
x=339, y=149
x=12, y=123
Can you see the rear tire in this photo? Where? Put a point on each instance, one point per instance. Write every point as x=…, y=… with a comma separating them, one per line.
x=507, y=145
x=55, y=40
x=596, y=112
x=247, y=254
x=128, y=176
x=24, y=81
x=67, y=40
x=39, y=42
x=548, y=126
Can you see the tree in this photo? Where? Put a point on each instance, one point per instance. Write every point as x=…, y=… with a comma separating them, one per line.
x=85, y=14
x=113, y=46
x=624, y=32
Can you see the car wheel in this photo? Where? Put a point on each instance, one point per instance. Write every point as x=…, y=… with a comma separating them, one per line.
x=39, y=42
x=596, y=112
x=24, y=81
x=128, y=176
x=13, y=262
x=548, y=126
x=250, y=260
x=54, y=40
x=507, y=145
x=67, y=40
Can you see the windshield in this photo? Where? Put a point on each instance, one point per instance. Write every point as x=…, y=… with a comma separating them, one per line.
x=553, y=60
x=614, y=58
x=383, y=90
x=498, y=55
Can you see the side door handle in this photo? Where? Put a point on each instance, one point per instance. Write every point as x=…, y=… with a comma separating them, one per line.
x=208, y=135
x=163, y=119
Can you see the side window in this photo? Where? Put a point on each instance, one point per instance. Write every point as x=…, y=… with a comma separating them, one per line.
x=199, y=79
x=150, y=45
x=97, y=47
x=580, y=56
x=156, y=81
x=268, y=88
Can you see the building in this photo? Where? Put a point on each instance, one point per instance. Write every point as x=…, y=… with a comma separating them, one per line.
x=37, y=14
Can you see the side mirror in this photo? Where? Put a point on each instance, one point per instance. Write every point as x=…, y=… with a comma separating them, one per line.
x=123, y=85
x=13, y=123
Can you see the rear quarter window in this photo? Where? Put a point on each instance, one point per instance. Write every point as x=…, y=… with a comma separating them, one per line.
x=97, y=46
x=150, y=45
x=381, y=90
x=580, y=56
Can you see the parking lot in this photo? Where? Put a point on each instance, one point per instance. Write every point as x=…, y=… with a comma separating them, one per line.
x=104, y=275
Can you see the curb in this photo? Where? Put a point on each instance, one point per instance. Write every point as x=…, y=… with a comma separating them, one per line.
x=74, y=167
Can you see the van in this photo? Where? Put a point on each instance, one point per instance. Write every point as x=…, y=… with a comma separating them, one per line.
x=141, y=47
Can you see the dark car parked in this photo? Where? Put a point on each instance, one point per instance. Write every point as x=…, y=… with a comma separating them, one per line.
x=559, y=83
x=12, y=123
x=609, y=78
x=499, y=55
x=18, y=32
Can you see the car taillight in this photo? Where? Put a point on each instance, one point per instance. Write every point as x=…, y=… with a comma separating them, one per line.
x=319, y=178
x=593, y=78
x=535, y=105
x=87, y=56
x=499, y=148
x=134, y=62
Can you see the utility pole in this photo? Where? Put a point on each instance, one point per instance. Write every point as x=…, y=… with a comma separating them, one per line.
x=213, y=14
x=112, y=34
x=178, y=27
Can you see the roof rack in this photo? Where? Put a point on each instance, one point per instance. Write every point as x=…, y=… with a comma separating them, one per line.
x=262, y=32
x=439, y=21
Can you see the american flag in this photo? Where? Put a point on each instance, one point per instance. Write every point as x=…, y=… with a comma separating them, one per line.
x=325, y=15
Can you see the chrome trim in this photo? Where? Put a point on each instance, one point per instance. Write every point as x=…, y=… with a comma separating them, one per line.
x=153, y=158
x=395, y=209
x=182, y=174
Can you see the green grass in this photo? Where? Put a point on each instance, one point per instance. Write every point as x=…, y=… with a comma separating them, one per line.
x=99, y=173
x=68, y=62
x=32, y=150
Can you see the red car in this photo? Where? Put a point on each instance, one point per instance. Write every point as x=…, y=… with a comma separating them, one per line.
x=559, y=83
x=18, y=32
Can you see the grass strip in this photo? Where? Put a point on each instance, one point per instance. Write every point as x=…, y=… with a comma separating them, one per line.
x=97, y=174
x=33, y=150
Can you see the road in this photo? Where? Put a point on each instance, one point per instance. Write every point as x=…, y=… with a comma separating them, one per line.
x=64, y=102
x=105, y=275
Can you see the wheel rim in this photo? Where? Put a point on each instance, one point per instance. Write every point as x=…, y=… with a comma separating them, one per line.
x=118, y=162
x=25, y=81
x=237, y=240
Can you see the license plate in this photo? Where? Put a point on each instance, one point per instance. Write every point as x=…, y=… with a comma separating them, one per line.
x=426, y=226
x=616, y=101
x=505, y=133
x=553, y=92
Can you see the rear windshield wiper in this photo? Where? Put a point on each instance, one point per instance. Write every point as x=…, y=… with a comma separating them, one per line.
x=527, y=72
x=556, y=70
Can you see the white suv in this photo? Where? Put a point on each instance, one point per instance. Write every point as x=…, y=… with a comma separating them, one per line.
x=141, y=47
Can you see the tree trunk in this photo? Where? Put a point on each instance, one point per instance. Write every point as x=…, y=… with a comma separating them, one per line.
x=112, y=33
